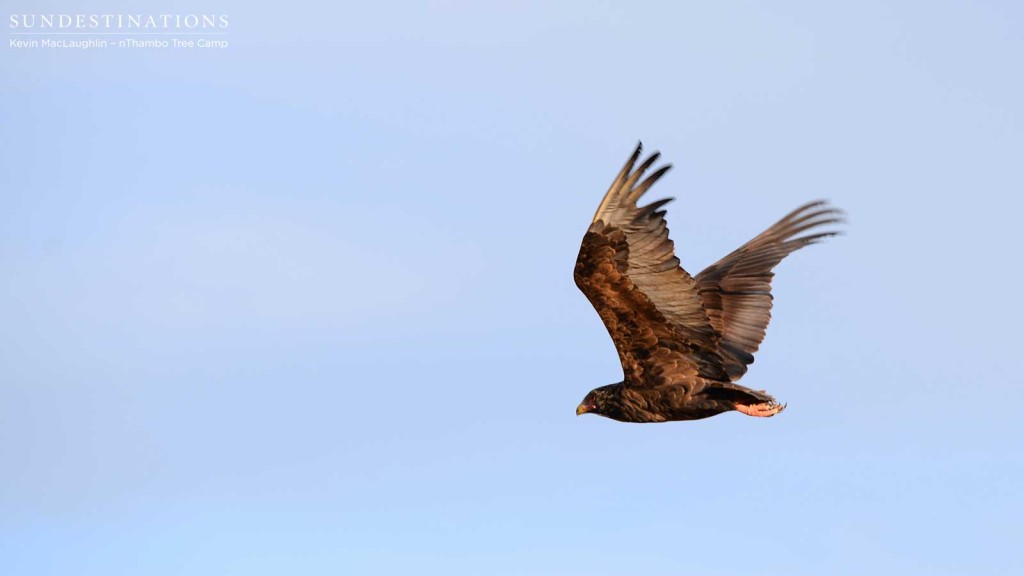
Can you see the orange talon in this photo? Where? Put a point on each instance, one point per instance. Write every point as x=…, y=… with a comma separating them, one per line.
x=762, y=410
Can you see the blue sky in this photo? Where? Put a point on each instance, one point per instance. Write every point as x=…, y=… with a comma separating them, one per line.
x=305, y=305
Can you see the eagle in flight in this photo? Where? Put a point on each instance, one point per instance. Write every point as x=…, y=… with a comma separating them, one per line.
x=683, y=341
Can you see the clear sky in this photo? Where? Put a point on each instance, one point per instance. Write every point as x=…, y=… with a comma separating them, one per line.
x=305, y=305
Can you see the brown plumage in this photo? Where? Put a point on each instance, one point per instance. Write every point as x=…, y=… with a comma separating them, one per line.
x=683, y=341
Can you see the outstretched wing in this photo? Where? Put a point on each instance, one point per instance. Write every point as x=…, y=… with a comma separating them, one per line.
x=628, y=270
x=736, y=290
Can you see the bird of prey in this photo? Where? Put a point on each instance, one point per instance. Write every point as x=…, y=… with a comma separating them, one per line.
x=683, y=341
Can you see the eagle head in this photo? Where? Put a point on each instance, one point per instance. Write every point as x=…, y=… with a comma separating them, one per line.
x=603, y=401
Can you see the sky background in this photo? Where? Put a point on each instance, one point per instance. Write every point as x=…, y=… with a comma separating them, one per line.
x=305, y=305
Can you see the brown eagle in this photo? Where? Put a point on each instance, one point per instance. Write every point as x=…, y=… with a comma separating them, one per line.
x=683, y=341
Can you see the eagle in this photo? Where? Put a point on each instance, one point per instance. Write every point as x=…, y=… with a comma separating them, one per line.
x=683, y=341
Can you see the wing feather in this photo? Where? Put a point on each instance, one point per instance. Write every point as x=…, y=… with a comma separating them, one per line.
x=736, y=290
x=628, y=270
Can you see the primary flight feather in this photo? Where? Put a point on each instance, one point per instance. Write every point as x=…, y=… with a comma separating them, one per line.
x=683, y=341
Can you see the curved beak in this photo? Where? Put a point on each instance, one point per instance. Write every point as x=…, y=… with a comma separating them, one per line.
x=582, y=409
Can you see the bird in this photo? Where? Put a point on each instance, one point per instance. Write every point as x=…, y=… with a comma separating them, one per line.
x=684, y=341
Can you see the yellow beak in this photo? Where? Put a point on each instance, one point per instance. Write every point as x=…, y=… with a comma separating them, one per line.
x=581, y=409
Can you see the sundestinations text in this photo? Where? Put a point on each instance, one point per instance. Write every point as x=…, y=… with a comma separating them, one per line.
x=118, y=21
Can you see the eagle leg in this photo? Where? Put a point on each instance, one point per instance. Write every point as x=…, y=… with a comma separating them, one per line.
x=761, y=410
